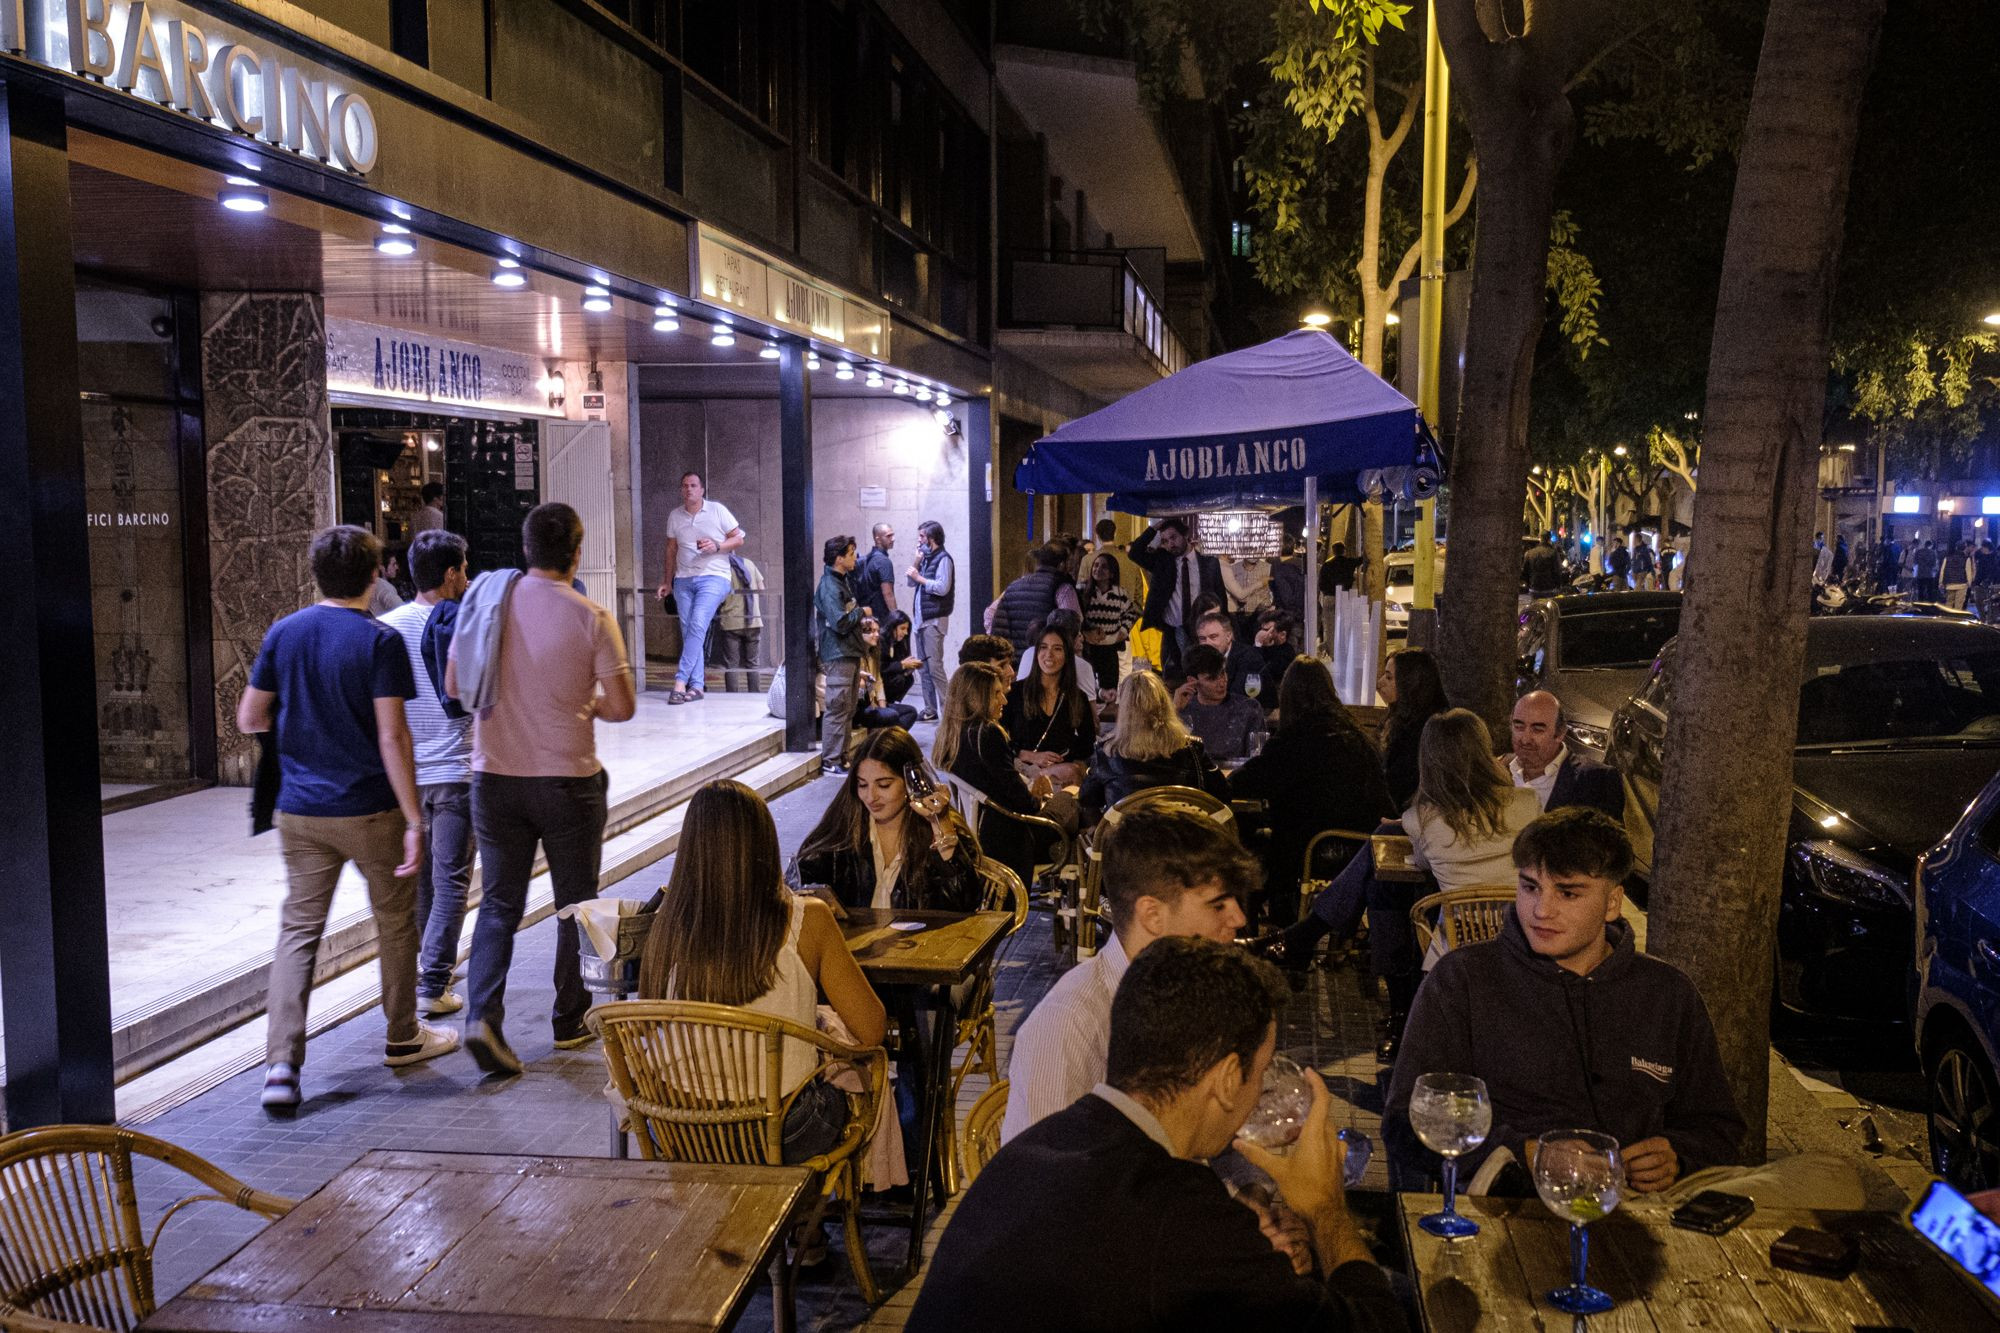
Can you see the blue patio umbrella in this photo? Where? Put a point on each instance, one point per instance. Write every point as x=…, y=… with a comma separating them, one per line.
x=1248, y=429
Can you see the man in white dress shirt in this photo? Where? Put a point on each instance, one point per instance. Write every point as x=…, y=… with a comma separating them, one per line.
x=1165, y=873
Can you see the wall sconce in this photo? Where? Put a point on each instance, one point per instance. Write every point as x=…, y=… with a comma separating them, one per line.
x=555, y=386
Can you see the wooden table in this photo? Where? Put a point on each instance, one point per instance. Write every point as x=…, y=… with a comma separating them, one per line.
x=1393, y=863
x=927, y=963
x=467, y=1243
x=1664, y=1278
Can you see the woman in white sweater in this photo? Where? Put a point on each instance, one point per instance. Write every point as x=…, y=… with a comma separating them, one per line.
x=1467, y=809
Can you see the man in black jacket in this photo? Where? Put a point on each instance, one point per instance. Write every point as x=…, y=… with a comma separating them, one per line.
x=1177, y=578
x=1570, y=1026
x=1104, y=1217
x=1543, y=762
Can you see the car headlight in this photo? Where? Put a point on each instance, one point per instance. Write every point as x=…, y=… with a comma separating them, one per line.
x=1589, y=737
x=1851, y=878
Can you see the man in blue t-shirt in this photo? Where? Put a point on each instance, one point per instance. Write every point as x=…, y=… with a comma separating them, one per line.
x=331, y=681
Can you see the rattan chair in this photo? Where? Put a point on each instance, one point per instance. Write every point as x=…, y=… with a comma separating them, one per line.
x=982, y=1130
x=74, y=1253
x=703, y=1083
x=1462, y=916
x=1004, y=892
x=1311, y=884
x=1191, y=800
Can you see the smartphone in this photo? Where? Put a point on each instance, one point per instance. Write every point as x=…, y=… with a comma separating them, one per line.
x=1713, y=1213
x=1960, y=1232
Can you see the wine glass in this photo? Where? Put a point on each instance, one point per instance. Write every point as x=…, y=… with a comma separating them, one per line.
x=1253, y=684
x=1279, y=1117
x=1452, y=1114
x=1579, y=1175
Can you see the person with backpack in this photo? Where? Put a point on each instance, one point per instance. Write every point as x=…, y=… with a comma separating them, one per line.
x=841, y=622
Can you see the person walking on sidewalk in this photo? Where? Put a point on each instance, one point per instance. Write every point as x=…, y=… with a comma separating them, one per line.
x=842, y=621
x=700, y=535
x=931, y=577
x=443, y=744
x=535, y=775
x=331, y=681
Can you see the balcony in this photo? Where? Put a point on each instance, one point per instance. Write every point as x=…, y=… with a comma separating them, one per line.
x=1089, y=318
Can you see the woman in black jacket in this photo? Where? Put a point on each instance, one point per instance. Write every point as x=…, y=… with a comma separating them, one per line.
x=875, y=847
x=1149, y=748
x=1317, y=773
x=1414, y=692
x=1052, y=723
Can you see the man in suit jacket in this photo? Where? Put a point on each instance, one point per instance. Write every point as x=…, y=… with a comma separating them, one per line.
x=1177, y=578
x=1158, y=1242
x=1543, y=762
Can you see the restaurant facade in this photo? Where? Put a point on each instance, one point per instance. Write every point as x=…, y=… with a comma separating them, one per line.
x=265, y=267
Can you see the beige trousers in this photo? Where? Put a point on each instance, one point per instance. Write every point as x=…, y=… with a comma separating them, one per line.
x=316, y=847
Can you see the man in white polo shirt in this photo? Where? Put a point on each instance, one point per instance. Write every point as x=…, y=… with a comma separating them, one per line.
x=1165, y=873
x=700, y=535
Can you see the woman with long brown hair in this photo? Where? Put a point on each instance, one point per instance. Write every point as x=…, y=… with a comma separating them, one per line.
x=875, y=847
x=1467, y=809
x=1051, y=720
x=1414, y=690
x=728, y=932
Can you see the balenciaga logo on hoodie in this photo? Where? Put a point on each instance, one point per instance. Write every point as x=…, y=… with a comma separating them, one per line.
x=1653, y=1070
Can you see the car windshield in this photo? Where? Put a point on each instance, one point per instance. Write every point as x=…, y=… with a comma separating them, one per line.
x=1953, y=699
x=1604, y=639
x=1402, y=576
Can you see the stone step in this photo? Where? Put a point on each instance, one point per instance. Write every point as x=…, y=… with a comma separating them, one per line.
x=149, y=1036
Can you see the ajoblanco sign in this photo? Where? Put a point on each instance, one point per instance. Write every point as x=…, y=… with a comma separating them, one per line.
x=172, y=55
x=1244, y=458
x=372, y=362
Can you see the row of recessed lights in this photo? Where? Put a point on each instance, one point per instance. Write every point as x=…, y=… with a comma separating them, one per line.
x=242, y=195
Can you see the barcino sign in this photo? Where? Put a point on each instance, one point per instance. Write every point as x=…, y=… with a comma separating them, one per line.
x=167, y=53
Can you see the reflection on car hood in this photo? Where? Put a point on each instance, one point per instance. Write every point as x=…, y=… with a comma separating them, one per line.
x=1903, y=800
x=1591, y=697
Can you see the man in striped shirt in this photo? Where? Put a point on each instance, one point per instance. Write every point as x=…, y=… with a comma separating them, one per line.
x=444, y=775
x=1165, y=873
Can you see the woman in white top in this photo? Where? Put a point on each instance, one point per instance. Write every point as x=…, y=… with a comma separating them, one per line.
x=1467, y=809
x=728, y=932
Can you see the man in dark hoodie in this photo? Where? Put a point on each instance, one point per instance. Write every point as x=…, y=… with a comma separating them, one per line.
x=1569, y=1025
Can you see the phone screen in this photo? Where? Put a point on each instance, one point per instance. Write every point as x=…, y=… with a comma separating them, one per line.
x=1961, y=1233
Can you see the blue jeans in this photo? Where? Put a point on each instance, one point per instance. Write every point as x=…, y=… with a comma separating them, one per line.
x=509, y=816
x=697, y=600
x=442, y=882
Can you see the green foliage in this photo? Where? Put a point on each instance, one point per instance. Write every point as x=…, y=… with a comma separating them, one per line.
x=1574, y=287
x=1926, y=400
x=1322, y=57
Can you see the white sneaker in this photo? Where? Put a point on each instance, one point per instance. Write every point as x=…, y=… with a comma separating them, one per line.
x=431, y=1042
x=430, y=1006
x=281, y=1089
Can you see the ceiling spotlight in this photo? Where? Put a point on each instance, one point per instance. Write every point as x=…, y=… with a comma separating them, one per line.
x=395, y=229
x=943, y=399
x=665, y=319
x=596, y=300
x=843, y=371
x=812, y=360
x=240, y=196
x=508, y=261
x=923, y=393
x=724, y=336
x=395, y=241
x=509, y=276
x=874, y=380
x=769, y=351
x=902, y=388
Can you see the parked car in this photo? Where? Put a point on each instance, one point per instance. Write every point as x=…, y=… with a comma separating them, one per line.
x=1899, y=728
x=1592, y=652
x=1399, y=570
x=1958, y=994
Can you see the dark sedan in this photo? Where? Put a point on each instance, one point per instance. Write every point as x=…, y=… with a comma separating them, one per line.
x=1899, y=728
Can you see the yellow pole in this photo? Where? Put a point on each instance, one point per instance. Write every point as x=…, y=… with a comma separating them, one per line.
x=1430, y=290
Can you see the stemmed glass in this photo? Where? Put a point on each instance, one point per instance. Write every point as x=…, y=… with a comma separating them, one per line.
x=1452, y=1114
x=1253, y=684
x=1280, y=1116
x=1579, y=1175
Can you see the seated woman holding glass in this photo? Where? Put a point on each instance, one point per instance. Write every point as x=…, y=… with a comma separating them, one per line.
x=728, y=932
x=877, y=847
x=973, y=746
x=1050, y=719
x=1149, y=747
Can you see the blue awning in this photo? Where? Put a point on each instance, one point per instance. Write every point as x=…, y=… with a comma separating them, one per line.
x=1242, y=430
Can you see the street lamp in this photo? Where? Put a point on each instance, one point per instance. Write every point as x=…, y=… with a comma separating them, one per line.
x=1619, y=450
x=1993, y=318
x=1316, y=317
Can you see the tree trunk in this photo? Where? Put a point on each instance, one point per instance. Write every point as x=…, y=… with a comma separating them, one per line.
x=1520, y=149
x=1742, y=639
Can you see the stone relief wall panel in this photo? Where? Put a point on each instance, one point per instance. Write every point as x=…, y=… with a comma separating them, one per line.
x=270, y=480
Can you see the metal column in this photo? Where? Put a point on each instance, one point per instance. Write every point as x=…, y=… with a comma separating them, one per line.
x=802, y=556
x=55, y=981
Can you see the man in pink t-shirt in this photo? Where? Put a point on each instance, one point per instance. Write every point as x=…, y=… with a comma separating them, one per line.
x=535, y=775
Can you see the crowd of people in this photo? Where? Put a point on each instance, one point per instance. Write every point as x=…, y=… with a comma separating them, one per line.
x=464, y=721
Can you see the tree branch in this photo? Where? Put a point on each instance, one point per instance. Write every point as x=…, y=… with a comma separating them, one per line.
x=1394, y=143
x=1408, y=264
x=1368, y=102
